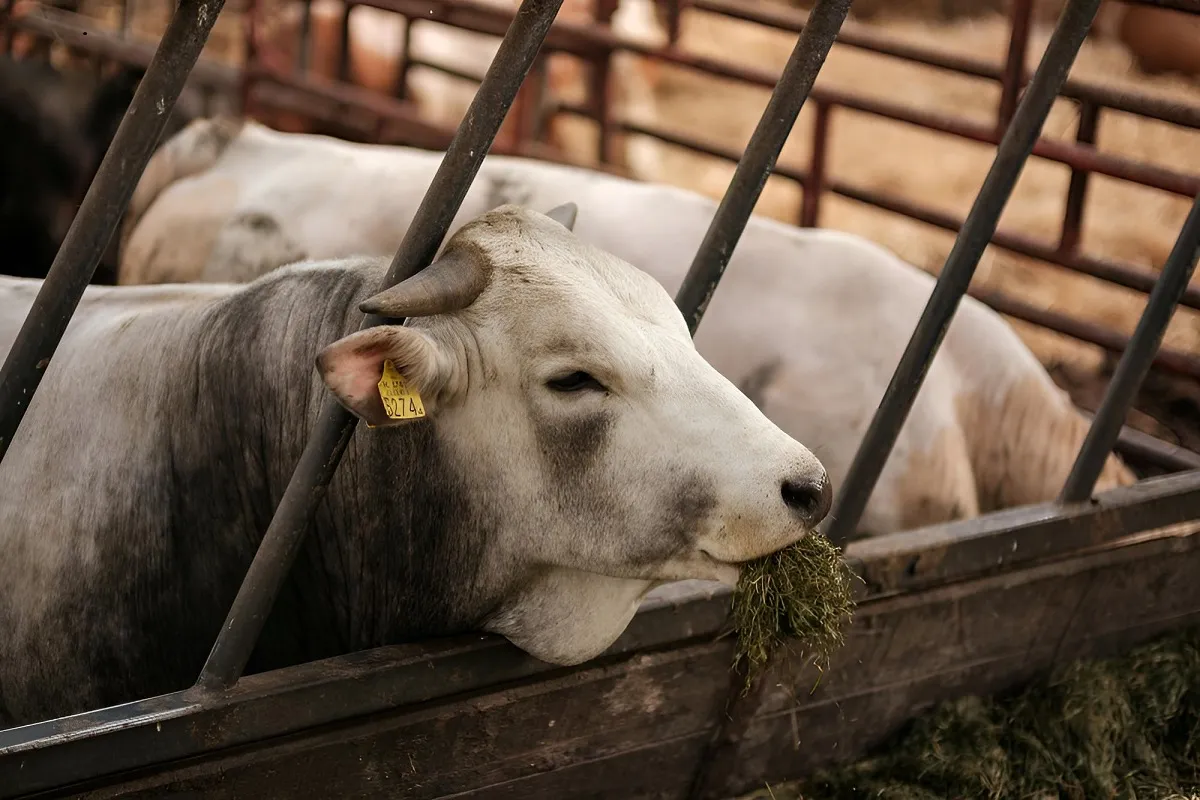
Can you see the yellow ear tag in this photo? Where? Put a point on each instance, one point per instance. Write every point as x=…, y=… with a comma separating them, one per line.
x=400, y=401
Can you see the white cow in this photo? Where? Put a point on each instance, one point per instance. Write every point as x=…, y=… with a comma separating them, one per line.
x=810, y=323
x=575, y=452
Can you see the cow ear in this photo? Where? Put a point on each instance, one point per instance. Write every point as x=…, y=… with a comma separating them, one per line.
x=386, y=375
x=564, y=215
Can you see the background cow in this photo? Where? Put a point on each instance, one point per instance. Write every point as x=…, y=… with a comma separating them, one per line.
x=810, y=323
x=576, y=452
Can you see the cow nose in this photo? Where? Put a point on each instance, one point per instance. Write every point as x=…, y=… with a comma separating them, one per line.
x=810, y=499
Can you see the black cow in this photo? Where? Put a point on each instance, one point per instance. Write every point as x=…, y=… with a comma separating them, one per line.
x=55, y=127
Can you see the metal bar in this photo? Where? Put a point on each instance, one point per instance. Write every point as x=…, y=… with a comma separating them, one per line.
x=102, y=207
x=1015, y=537
x=252, y=25
x=303, y=50
x=321, y=456
x=788, y=19
x=1020, y=21
x=1089, y=120
x=1186, y=6
x=56, y=754
x=7, y=20
x=959, y=268
x=1137, y=444
x=1178, y=362
x=126, y=17
x=343, y=59
x=406, y=61
x=60, y=26
x=453, y=72
x=1135, y=361
x=814, y=185
x=773, y=127
x=1170, y=360
x=712, y=257
x=1062, y=152
x=52, y=755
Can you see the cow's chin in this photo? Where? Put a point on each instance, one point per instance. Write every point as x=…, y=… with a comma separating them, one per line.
x=715, y=563
x=700, y=566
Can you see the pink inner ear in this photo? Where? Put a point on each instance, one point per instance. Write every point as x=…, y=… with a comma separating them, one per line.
x=353, y=369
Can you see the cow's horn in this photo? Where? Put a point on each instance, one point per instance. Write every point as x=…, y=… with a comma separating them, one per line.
x=564, y=215
x=450, y=283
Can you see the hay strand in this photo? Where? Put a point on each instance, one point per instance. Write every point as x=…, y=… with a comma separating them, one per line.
x=797, y=598
x=1119, y=728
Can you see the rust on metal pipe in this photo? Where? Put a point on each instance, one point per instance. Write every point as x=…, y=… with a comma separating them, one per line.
x=959, y=268
x=1166, y=359
x=1013, y=77
x=1127, y=275
x=790, y=20
x=1089, y=120
x=814, y=184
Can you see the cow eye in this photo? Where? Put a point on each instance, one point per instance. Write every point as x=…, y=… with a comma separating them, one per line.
x=574, y=382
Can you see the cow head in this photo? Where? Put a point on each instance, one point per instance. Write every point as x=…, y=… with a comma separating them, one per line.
x=614, y=455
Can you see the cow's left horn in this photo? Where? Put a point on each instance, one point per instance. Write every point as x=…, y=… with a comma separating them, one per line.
x=564, y=215
x=450, y=283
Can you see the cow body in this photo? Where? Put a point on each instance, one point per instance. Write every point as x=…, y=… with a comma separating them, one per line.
x=576, y=452
x=811, y=323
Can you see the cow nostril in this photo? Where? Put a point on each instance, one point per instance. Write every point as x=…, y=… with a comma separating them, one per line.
x=808, y=498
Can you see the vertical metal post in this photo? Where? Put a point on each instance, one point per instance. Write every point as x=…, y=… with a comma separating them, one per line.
x=810, y=204
x=6, y=41
x=776, y=122
x=1089, y=119
x=1135, y=361
x=102, y=207
x=1020, y=21
x=343, y=60
x=305, y=46
x=758, y=160
x=335, y=425
x=403, y=67
x=973, y=238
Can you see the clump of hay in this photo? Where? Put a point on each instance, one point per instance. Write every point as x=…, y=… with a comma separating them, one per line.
x=798, y=598
x=1119, y=728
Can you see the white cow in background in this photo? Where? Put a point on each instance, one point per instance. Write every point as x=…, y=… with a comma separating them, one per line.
x=810, y=323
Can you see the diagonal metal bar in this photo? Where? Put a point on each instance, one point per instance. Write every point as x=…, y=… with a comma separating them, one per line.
x=101, y=210
x=712, y=257
x=335, y=425
x=1135, y=361
x=959, y=268
x=758, y=160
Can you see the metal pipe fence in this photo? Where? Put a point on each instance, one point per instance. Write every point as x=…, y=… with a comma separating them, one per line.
x=101, y=210
x=523, y=37
x=336, y=425
x=977, y=231
x=1135, y=362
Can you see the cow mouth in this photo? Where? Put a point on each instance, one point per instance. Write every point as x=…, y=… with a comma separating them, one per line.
x=727, y=572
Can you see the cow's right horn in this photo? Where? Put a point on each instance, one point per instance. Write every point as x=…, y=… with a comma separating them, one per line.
x=450, y=283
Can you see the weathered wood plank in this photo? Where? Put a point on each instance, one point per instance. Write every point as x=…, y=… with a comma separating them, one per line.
x=907, y=653
x=637, y=728
x=486, y=740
